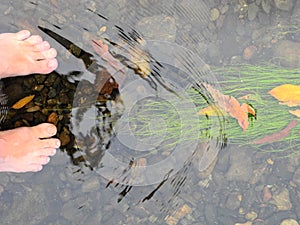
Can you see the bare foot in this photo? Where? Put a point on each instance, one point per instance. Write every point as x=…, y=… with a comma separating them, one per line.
x=22, y=54
x=27, y=149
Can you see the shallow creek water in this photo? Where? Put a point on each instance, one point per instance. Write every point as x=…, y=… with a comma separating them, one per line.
x=134, y=150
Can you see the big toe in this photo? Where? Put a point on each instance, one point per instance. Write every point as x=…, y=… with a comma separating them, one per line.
x=44, y=130
x=22, y=35
x=34, y=39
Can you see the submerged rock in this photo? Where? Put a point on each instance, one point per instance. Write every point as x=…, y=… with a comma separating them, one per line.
x=287, y=53
x=285, y=5
x=159, y=27
x=240, y=168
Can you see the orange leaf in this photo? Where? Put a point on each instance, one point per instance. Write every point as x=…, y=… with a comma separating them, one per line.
x=230, y=105
x=295, y=112
x=19, y=104
x=212, y=110
x=288, y=94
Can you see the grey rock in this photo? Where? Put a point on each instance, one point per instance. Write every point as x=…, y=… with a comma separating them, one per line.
x=240, y=168
x=285, y=5
x=252, y=11
x=159, y=27
x=91, y=185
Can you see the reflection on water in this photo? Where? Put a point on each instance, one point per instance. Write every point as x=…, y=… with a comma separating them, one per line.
x=125, y=98
x=123, y=135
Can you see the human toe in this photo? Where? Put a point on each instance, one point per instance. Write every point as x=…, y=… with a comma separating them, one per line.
x=43, y=46
x=50, y=143
x=22, y=35
x=43, y=66
x=50, y=53
x=39, y=55
x=52, y=64
x=42, y=160
x=34, y=168
x=44, y=130
x=34, y=39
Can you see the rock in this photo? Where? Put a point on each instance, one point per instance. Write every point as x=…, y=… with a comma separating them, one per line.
x=159, y=27
x=33, y=108
x=266, y=6
x=289, y=222
x=63, y=98
x=53, y=118
x=251, y=216
x=91, y=185
x=64, y=137
x=214, y=14
x=296, y=177
x=240, y=168
x=232, y=201
x=75, y=210
x=250, y=52
x=285, y=5
x=252, y=11
x=287, y=53
x=65, y=194
x=1, y=189
x=247, y=223
x=52, y=93
x=282, y=199
x=38, y=87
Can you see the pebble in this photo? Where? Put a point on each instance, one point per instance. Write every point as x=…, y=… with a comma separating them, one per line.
x=266, y=6
x=249, y=52
x=214, y=14
x=75, y=209
x=251, y=216
x=159, y=27
x=53, y=118
x=232, y=201
x=247, y=223
x=281, y=199
x=240, y=168
x=252, y=11
x=285, y=5
x=64, y=137
x=288, y=53
x=38, y=87
x=91, y=185
x=289, y=222
x=1, y=189
x=296, y=177
x=65, y=194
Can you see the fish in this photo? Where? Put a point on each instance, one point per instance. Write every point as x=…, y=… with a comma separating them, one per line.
x=277, y=135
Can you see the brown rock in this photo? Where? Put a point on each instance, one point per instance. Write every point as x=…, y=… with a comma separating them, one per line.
x=64, y=137
x=249, y=52
x=53, y=118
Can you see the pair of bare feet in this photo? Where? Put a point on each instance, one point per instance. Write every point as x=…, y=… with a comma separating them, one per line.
x=26, y=149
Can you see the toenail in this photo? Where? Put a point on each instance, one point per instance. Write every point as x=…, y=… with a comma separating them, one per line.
x=57, y=143
x=51, y=130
